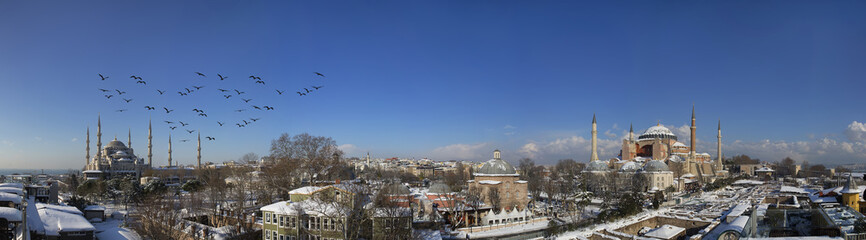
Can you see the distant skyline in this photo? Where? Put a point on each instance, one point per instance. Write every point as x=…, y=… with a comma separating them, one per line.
x=437, y=79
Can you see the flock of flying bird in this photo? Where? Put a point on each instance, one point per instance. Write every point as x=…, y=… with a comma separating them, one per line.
x=186, y=91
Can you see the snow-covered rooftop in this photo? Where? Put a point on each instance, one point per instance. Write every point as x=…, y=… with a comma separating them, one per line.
x=10, y=214
x=305, y=190
x=665, y=232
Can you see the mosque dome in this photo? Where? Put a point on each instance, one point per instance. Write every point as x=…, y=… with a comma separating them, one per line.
x=656, y=166
x=629, y=167
x=657, y=131
x=496, y=167
x=115, y=144
x=439, y=188
x=680, y=145
x=597, y=166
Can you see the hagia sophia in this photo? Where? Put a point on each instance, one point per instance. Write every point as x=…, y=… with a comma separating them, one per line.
x=660, y=158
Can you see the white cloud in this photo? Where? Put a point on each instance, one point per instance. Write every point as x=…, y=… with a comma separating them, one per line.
x=509, y=133
x=7, y=142
x=609, y=134
x=856, y=132
x=462, y=152
x=509, y=127
x=574, y=147
x=349, y=149
x=74, y=139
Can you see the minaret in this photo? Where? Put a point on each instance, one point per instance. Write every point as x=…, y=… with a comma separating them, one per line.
x=149, y=143
x=169, y=149
x=719, y=164
x=198, y=157
x=692, y=137
x=594, y=155
x=496, y=154
x=98, y=138
x=129, y=139
x=630, y=133
x=87, y=142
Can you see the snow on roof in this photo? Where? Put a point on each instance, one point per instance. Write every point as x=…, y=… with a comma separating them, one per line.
x=12, y=190
x=56, y=220
x=789, y=189
x=520, y=181
x=764, y=169
x=66, y=209
x=665, y=232
x=14, y=185
x=305, y=190
x=748, y=182
x=489, y=182
x=309, y=207
x=92, y=171
x=10, y=214
x=9, y=197
x=94, y=208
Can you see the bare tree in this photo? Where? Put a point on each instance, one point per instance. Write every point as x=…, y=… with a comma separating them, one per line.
x=494, y=198
x=249, y=158
x=317, y=156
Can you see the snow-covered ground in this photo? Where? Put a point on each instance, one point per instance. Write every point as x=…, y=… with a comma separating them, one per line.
x=111, y=228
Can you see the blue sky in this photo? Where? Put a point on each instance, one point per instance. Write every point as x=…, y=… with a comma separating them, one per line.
x=439, y=79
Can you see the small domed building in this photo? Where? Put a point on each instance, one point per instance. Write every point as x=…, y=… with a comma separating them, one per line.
x=500, y=176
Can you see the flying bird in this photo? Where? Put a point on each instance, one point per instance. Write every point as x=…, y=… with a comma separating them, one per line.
x=121, y=110
x=104, y=90
x=301, y=94
x=220, y=123
x=279, y=92
x=308, y=90
x=319, y=74
x=160, y=91
x=255, y=119
x=202, y=114
x=269, y=108
x=182, y=124
x=142, y=82
x=135, y=77
x=127, y=100
x=187, y=90
x=239, y=92
x=255, y=78
x=197, y=110
x=246, y=100
x=190, y=131
x=103, y=77
x=257, y=107
x=227, y=96
x=149, y=107
x=119, y=92
x=221, y=77
x=184, y=140
x=240, y=110
x=108, y=96
x=198, y=87
x=210, y=138
x=317, y=87
x=172, y=128
x=169, y=122
x=245, y=122
x=223, y=90
x=239, y=125
x=260, y=81
x=200, y=74
x=182, y=93
x=167, y=110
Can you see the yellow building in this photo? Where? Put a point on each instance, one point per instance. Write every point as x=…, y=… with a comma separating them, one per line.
x=851, y=194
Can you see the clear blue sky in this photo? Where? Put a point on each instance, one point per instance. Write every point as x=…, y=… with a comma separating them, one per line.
x=439, y=79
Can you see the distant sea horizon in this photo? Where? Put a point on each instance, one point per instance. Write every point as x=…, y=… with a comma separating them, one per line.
x=10, y=171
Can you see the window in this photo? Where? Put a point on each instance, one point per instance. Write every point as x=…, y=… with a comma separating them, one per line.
x=292, y=222
x=267, y=217
x=267, y=234
x=282, y=221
